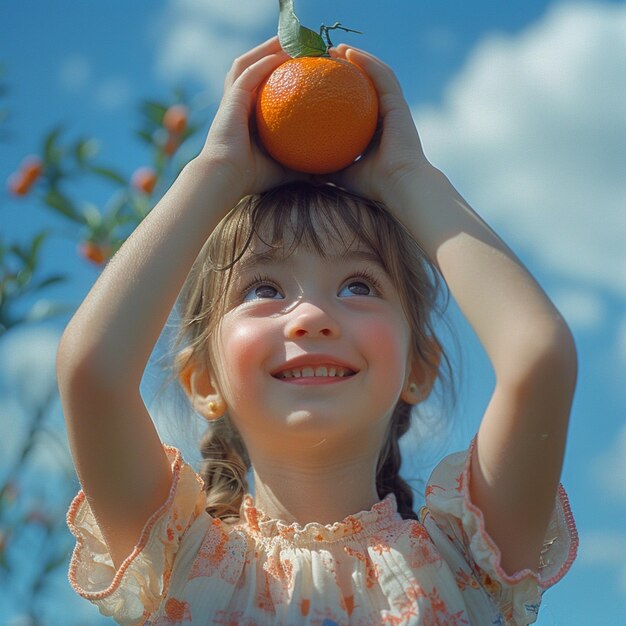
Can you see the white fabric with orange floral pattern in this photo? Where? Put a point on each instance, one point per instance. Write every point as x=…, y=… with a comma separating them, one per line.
x=371, y=568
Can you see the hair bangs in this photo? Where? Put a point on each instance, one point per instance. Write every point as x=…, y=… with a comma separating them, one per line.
x=318, y=217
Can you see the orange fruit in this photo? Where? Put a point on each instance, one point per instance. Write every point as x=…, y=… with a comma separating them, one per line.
x=144, y=179
x=316, y=114
x=94, y=252
x=18, y=184
x=31, y=169
x=172, y=144
x=175, y=119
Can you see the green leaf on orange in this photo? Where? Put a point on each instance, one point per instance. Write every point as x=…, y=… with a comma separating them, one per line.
x=297, y=40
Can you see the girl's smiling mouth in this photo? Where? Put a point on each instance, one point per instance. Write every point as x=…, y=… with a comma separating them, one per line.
x=314, y=370
x=319, y=371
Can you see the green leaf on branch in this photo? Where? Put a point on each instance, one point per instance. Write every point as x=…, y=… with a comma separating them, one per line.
x=113, y=215
x=154, y=111
x=52, y=153
x=108, y=173
x=56, y=562
x=28, y=255
x=297, y=40
x=85, y=149
x=20, y=253
x=62, y=204
x=43, y=310
x=24, y=276
x=37, y=243
x=146, y=136
x=92, y=216
x=160, y=161
x=50, y=280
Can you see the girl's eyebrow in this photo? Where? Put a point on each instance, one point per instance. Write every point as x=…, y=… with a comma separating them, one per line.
x=273, y=255
x=359, y=255
x=257, y=258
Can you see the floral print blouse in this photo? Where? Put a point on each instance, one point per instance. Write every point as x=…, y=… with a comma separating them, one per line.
x=371, y=568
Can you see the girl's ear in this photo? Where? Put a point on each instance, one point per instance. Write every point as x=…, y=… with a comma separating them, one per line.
x=422, y=376
x=200, y=387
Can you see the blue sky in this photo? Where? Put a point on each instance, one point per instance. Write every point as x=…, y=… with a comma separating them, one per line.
x=521, y=104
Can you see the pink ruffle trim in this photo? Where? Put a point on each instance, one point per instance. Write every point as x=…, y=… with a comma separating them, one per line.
x=365, y=523
x=563, y=509
x=79, y=501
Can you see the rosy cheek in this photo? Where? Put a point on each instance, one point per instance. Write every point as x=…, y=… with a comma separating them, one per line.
x=242, y=340
x=242, y=348
x=391, y=343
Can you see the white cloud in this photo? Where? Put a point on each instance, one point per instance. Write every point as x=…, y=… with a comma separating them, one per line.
x=74, y=73
x=621, y=342
x=246, y=14
x=28, y=363
x=610, y=468
x=605, y=548
x=440, y=40
x=113, y=93
x=533, y=132
x=76, y=76
x=28, y=384
x=199, y=39
x=599, y=547
x=581, y=308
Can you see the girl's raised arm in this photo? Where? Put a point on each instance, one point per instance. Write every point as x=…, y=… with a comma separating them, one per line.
x=104, y=350
x=521, y=440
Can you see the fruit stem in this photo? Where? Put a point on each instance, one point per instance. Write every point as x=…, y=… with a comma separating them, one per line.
x=336, y=26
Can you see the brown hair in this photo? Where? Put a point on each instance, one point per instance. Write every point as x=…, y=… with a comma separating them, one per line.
x=284, y=218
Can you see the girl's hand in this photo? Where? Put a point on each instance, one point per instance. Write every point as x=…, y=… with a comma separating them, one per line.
x=229, y=143
x=396, y=150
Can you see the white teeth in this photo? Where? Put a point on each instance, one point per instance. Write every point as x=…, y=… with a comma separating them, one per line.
x=321, y=371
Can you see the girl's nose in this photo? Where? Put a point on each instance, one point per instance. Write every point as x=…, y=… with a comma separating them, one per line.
x=309, y=320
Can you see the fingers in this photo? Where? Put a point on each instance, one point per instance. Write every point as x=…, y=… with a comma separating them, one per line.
x=242, y=63
x=381, y=74
x=253, y=75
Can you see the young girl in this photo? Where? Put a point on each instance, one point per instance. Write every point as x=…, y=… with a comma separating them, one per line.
x=307, y=340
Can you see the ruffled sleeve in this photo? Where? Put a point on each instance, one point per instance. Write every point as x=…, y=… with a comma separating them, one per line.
x=130, y=593
x=457, y=527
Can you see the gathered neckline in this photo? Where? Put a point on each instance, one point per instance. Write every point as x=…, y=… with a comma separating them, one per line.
x=362, y=524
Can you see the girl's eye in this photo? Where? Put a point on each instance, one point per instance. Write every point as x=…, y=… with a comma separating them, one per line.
x=357, y=287
x=262, y=292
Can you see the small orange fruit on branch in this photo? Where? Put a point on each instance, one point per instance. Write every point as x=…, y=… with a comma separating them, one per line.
x=20, y=182
x=175, y=119
x=17, y=184
x=314, y=114
x=32, y=167
x=144, y=179
x=97, y=253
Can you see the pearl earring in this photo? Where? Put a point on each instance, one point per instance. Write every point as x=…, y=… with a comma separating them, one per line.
x=413, y=388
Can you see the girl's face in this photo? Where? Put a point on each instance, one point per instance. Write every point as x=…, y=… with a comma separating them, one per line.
x=311, y=347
